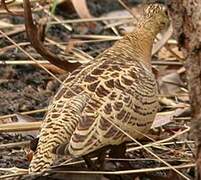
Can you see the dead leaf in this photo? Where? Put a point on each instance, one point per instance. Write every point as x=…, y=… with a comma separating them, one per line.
x=15, y=125
x=53, y=68
x=171, y=83
x=6, y=120
x=167, y=102
x=163, y=39
x=125, y=25
x=24, y=118
x=5, y=25
x=163, y=118
x=165, y=54
x=81, y=8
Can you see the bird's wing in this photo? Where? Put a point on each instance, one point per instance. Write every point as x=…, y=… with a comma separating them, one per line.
x=125, y=96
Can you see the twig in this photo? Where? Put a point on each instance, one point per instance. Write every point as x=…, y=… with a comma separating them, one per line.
x=13, y=169
x=167, y=63
x=34, y=37
x=24, y=62
x=102, y=37
x=160, y=63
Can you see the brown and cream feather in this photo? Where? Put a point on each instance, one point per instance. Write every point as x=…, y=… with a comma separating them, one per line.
x=118, y=85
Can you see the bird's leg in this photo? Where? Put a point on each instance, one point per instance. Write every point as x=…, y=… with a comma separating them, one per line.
x=101, y=157
x=118, y=151
x=100, y=153
x=89, y=162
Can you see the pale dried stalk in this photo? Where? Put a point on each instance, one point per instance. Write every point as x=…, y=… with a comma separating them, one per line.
x=14, y=170
x=99, y=37
x=19, y=126
x=13, y=145
x=12, y=175
x=159, y=63
x=23, y=62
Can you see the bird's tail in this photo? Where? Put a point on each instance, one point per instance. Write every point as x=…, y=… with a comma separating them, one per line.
x=57, y=129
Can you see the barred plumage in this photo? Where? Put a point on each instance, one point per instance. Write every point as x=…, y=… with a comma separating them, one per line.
x=118, y=85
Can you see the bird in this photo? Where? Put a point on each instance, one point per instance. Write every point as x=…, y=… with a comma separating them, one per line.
x=118, y=86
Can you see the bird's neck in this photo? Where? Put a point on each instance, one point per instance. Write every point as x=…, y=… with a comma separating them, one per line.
x=143, y=41
x=139, y=43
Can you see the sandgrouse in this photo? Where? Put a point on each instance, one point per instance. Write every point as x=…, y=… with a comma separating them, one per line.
x=117, y=86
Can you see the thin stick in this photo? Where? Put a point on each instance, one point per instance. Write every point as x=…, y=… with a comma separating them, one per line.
x=160, y=63
x=24, y=62
x=13, y=169
x=102, y=37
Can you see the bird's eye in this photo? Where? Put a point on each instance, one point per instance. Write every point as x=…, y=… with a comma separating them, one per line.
x=166, y=12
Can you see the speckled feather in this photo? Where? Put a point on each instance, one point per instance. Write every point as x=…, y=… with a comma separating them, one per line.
x=118, y=85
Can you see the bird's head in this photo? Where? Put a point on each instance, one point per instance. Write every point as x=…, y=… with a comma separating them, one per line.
x=156, y=17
